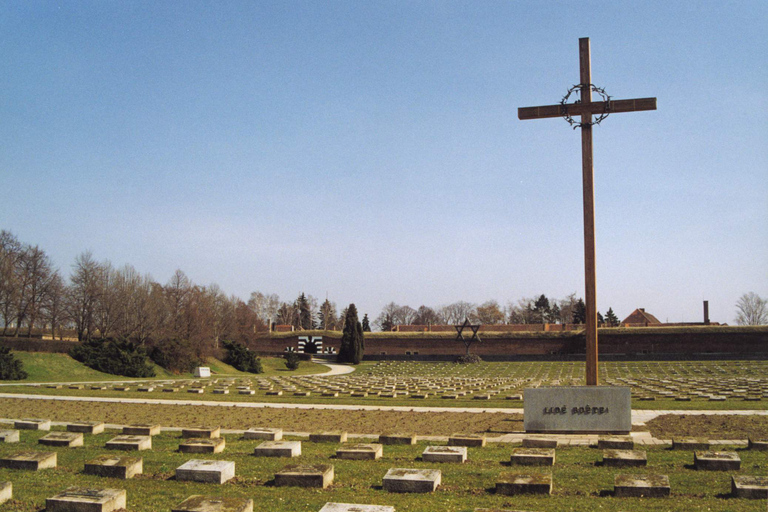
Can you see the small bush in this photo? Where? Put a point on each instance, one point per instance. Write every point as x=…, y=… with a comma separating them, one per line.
x=10, y=367
x=292, y=361
x=242, y=358
x=469, y=359
x=117, y=357
x=174, y=355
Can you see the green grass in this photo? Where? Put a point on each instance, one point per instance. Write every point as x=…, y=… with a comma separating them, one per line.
x=580, y=484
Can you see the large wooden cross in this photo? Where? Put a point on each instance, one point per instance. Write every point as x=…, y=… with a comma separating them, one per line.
x=586, y=108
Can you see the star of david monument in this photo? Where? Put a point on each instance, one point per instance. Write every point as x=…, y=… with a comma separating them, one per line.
x=589, y=408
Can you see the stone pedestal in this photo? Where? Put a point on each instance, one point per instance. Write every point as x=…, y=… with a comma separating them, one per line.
x=137, y=443
x=246, y=392
x=203, y=445
x=209, y=471
x=717, y=461
x=470, y=440
x=539, y=442
x=266, y=434
x=690, y=443
x=86, y=427
x=9, y=436
x=6, y=491
x=360, y=452
x=444, y=454
x=199, y=503
x=533, y=457
x=114, y=466
x=32, y=424
x=141, y=430
x=624, y=458
x=33, y=461
x=349, y=507
x=758, y=444
x=615, y=443
x=578, y=409
x=750, y=487
x=532, y=483
x=319, y=475
x=412, y=480
x=278, y=449
x=201, y=433
x=328, y=437
x=66, y=439
x=637, y=486
x=397, y=439
x=83, y=499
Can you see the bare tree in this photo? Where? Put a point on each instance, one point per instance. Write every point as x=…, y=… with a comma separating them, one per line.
x=53, y=309
x=265, y=306
x=751, y=309
x=84, y=294
x=426, y=316
x=10, y=253
x=490, y=313
x=457, y=312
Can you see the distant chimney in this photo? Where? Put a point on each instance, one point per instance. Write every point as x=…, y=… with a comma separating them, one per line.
x=642, y=309
x=706, y=312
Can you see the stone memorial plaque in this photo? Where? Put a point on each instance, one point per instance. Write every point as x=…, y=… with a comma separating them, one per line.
x=578, y=409
x=691, y=443
x=360, y=452
x=82, y=499
x=33, y=461
x=533, y=456
x=750, y=487
x=350, y=507
x=86, y=427
x=717, y=461
x=444, y=454
x=412, y=480
x=328, y=437
x=266, y=434
x=318, y=475
x=141, y=430
x=199, y=503
x=215, y=445
x=534, y=483
x=754, y=444
x=624, y=458
x=32, y=424
x=470, y=440
x=278, y=449
x=201, y=432
x=539, y=442
x=67, y=439
x=9, y=436
x=6, y=491
x=637, y=486
x=397, y=439
x=616, y=443
x=114, y=466
x=130, y=443
x=210, y=471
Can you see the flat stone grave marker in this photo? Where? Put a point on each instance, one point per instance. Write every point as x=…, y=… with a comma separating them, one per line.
x=638, y=486
x=754, y=444
x=209, y=471
x=412, y=480
x=532, y=483
x=114, y=466
x=215, y=445
x=198, y=391
x=350, y=507
x=122, y=388
x=717, y=461
x=6, y=491
x=360, y=452
x=470, y=440
x=615, y=443
x=750, y=487
x=539, y=442
x=32, y=424
x=33, y=461
x=198, y=503
x=624, y=458
x=201, y=432
x=86, y=427
x=444, y=454
x=137, y=443
x=690, y=443
x=141, y=430
x=397, y=439
x=171, y=390
x=318, y=475
x=533, y=456
x=83, y=499
x=328, y=437
x=67, y=439
x=221, y=391
x=146, y=389
x=278, y=449
x=98, y=388
x=9, y=436
x=267, y=434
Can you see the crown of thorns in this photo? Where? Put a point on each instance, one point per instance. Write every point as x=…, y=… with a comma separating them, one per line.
x=578, y=87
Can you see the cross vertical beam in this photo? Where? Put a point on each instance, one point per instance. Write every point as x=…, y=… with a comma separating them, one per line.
x=587, y=174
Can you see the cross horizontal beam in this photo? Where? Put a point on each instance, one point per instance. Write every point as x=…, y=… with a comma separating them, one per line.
x=579, y=109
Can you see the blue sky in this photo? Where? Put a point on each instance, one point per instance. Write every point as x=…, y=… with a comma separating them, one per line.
x=371, y=150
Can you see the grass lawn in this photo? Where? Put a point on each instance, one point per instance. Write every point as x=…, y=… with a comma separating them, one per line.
x=580, y=484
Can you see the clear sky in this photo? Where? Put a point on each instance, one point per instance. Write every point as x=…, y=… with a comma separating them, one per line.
x=371, y=151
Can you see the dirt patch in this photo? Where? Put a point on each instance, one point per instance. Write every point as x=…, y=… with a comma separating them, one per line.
x=295, y=420
x=710, y=426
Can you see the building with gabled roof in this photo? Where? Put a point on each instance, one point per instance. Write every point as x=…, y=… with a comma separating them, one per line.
x=640, y=318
